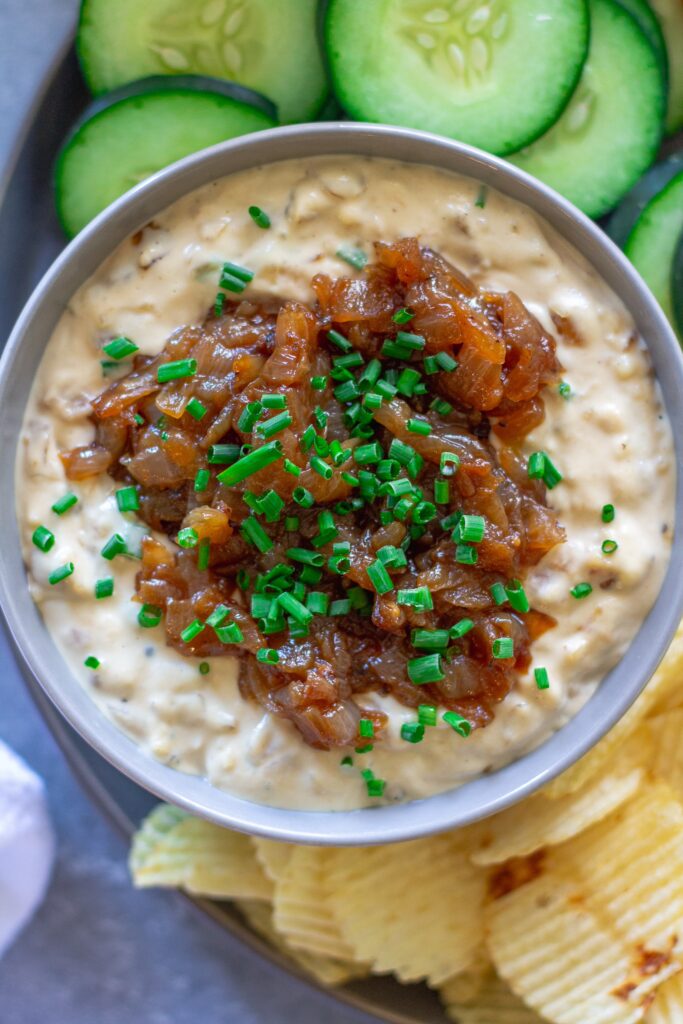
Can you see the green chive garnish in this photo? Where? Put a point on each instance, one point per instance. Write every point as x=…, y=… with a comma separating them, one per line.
x=608, y=513
x=230, y=634
x=43, y=538
x=564, y=389
x=223, y=454
x=403, y=315
x=274, y=425
x=61, y=573
x=318, y=383
x=541, y=467
x=498, y=593
x=461, y=628
x=581, y=590
x=458, y=723
x=196, y=409
x=253, y=533
x=149, y=616
x=187, y=537
x=609, y=547
x=235, y=278
x=204, y=668
x=192, y=631
x=63, y=505
x=480, y=201
x=416, y=426
x=119, y=348
x=116, y=545
x=419, y=598
x=426, y=714
x=201, y=481
x=427, y=669
x=203, y=554
x=127, y=499
x=466, y=554
x=354, y=257
x=430, y=639
x=412, y=732
x=176, y=370
x=503, y=647
x=541, y=677
x=104, y=587
x=92, y=662
x=516, y=595
x=259, y=217
x=267, y=655
x=379, y=577
x=251, y=463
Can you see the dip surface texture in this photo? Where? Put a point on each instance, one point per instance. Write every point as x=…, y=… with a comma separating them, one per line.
x=608, y=435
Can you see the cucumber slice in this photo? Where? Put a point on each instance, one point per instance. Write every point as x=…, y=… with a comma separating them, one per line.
x=609, y=134
x=133, y=134
x=494, y=74
x=622, y=221
x=648, y=23
x=271, y=46
x=670, y=13
x=651, y=245
x=677, y=285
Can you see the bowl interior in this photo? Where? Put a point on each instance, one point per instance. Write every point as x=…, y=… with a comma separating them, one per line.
x=479, y=797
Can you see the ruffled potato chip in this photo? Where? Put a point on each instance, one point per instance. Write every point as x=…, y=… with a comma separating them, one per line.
x=465, y=986
x=174, y=849
x=586, y=931
x=494, y=1003
x=302, y=913
x=272, y=856
x=330, y=972
x=539, y=822
x=667, y=1007
x=665, y=683
x=667, y=759
x=412, y=908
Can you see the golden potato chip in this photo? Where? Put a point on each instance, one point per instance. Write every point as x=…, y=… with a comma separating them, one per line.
x=272, y=856
x=301, y=910
x=602, y=754
x=669, y=689
x=667, y=1007
x=538, y=822
x=584, y=932
x=174, y=849
x=412, y=908
x=465, y=986
x=667, y=759
x=259, y=914
x=495, y=1003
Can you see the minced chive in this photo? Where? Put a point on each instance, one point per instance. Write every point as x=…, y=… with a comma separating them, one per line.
x=354, y=257
x=458, y=723
x=271, y=506
x=503, y=647
x=340, y=341
x=164, y=435
x=449, y=463
x=340, y=607
x=140, y=420
x=416, y=426
x=369, y=376
x=451, y=520
x=608, y=513
x=119, y=348
x=318, y=383
x=470, y=529
x=608, y=547
x=347, y=392
x=480, y=201
x=339, y=564
x=441, y=406
x=365, y=749
x=445, y=362
x=367, y=454
x=203, y=554
x=412, y=732
x=396, y=488
x=403, y=315
x=292, y=606
x=63, y=504
x=253, y=533
x=218, y=615
x=348, y=361
x=306, y=557
x=291, y=468
x=92, y=662
x=249, y=416
x=104, y=587
x=242, y=579
x=424, y=512
x=267, y=655
x=461, y=628
x=401, y=451
x=441, y=492
x=321, y=467
x=430, y=365
x=234, y=270
x=116, y=545
x=498, y=593
x=273, y=401
x=218, y=305
x=261, y=605
x=187, y=537
x=196, y=409
x=426, y=714
x=127, y=499
x=61, y=573
x=274, y=425
x=379, y=577
x=541, y=677
x=149, y=616
x=291, y=523
x=307, y=438
x=466, y=554
x=317, y=602
x=392, y=557
x=230, y=634
x=43, y=538
x=375, y=787
x=204, y=668
x=321, y=444
x=581, y=590
x=347, y=760
x=192, y=631
x=366, y=728
x=384, y=388
x=223, y=454
x=394, y=350
x=249, y=464
x=430, y=639
x=516, y=595
x=310, y=575
x=176, y=370
x=303, y=497
x=564, y=389
x=407, y=382
x=403, y=507
x=427, y=669
x=109, y=366
x=541, y=467
x=388, y=469
x=201, y=481
x=259, y=217
x=419, y=598
x=415, y=342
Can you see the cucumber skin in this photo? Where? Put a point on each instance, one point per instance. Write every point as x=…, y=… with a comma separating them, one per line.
x=677, y=285
x=97, y=89
x=329, y=12
x=626, y=215
x=103, y=105
x=648, y=23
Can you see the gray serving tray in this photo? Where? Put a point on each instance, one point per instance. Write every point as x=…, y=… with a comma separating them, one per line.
x=28, y=225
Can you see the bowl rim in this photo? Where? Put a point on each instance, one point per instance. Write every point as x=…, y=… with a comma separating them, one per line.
x=479, y=797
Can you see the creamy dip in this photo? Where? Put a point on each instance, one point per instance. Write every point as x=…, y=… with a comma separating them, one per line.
x=610, y=438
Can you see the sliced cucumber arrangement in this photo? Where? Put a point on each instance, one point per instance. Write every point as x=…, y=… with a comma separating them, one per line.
x=651, y=246
x=622, y=221
x=648, y=22
x=670, y=13
x=494, y=74
x=609, y=134
x=268, y=45
x=133, y=134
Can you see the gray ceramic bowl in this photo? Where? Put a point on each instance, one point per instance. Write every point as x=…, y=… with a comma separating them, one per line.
x=478, y=798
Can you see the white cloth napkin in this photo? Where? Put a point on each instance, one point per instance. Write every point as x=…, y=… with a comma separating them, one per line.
x=27, y=845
